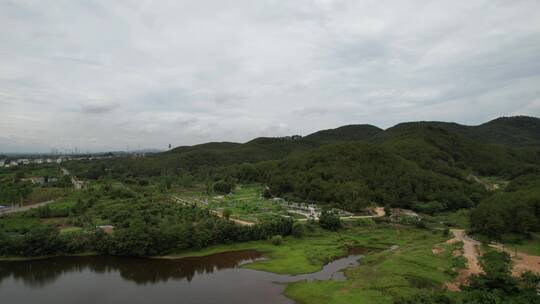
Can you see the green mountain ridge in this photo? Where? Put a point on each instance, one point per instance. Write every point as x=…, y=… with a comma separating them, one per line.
x=356, y=165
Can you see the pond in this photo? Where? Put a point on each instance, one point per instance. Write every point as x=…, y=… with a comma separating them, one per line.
x=104, y=279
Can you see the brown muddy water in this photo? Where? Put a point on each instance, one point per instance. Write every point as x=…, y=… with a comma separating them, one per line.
x=103, y=279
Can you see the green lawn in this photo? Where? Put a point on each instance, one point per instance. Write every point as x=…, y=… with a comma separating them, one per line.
x=70, y=229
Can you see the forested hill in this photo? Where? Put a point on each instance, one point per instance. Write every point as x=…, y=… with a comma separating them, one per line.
x=345, y=133
x=517, y=131
x=504, y=146
x=466, y=145
x=426, y=166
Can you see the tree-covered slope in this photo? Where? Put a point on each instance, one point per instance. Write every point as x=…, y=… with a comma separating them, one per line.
x=517, y=131
x=353, y=175
x=345, y=133
x=515, y=210
x=436, y=148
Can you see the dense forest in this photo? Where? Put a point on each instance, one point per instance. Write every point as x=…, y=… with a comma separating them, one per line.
x=141, y=228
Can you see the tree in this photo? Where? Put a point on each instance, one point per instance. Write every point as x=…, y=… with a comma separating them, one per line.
x=387, y=211
x=227, y=213
x=329, y=220
x=298, y=230
x=223, y=186
x=23, y=190
x=65, y=182
x=40, y=241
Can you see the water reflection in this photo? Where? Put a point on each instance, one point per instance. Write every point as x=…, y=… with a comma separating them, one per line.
x=104, y=279
x=37, y=273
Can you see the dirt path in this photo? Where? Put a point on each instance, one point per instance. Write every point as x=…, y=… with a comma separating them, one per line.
x=379, y=212
x=240, y=222
x=521, y=262
x=76, y=183
x=471, y=253
x=24, y=208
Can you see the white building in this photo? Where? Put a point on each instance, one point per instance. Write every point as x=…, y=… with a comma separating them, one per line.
x=23, y=161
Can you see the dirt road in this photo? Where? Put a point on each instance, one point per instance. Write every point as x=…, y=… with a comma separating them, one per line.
x=471, y=253
x=521, y=262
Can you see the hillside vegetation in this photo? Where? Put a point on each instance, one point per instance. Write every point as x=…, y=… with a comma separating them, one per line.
x=433, y=166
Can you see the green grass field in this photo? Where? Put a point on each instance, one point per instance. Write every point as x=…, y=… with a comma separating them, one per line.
x=454, y=219
x=63, y=205
x=70, y=229
x=385, y=275
x=17, y=224
x=382, y=275
x=245, y=203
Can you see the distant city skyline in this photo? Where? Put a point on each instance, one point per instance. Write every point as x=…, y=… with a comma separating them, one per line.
x=101, y=76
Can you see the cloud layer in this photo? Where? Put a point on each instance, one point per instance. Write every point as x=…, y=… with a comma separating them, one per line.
x=104, y=75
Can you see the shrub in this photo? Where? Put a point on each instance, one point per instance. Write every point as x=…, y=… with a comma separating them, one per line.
x=277, y=240
x=446, y=232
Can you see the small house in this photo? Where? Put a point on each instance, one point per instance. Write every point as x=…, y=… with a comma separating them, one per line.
x=106, y=228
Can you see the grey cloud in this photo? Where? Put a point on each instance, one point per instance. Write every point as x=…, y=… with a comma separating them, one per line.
x=311, y=111
x=146, y=73
x=97, y=108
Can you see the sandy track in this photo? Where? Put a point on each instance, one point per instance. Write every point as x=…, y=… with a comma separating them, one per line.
x=521, y=261
x=471, y=253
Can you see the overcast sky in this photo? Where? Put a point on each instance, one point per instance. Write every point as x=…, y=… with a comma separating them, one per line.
x=104, y=75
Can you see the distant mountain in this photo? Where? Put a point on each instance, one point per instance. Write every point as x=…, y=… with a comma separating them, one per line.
x=345, y=133
x=206, y=146
x=430, y=142
x=517, y=131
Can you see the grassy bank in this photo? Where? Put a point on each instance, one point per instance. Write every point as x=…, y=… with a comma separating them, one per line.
x=404, y=264
x=385, y=275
